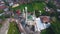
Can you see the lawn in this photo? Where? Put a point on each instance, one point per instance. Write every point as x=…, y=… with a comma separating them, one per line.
x=13, y=29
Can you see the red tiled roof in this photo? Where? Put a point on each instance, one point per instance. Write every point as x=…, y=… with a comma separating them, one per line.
x=2, y=7
x=18, y=12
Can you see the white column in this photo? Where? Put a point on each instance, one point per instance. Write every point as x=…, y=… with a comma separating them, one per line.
x=40, y=12
x=26, y=13
x=23, y=12
x=34, y=15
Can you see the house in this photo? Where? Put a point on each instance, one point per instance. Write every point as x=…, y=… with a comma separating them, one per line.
x=6, y=9
x=0, y=21
x=57, y=3
x=49, y=10
x=46, y=9
x=58, y=10
x=8, y=0
x=46, y=1
x=59, y=17
x=2, y=5
x=11, y=3
x=15, y=5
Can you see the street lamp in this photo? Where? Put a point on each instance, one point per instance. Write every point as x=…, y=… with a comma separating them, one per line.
x=34, y=15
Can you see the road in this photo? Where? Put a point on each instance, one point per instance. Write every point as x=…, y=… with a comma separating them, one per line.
x=5, y=27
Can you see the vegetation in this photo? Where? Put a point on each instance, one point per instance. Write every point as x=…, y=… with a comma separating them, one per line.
x=1, y=11
x=56, y=26
x=50, y=4
x=32, y=6
x=0, y=25
x=2, y=17
x=39, y=6
x=13, y=29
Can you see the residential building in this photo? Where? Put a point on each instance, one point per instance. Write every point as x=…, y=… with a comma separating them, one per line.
x=57, y=3
x=2, y=5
